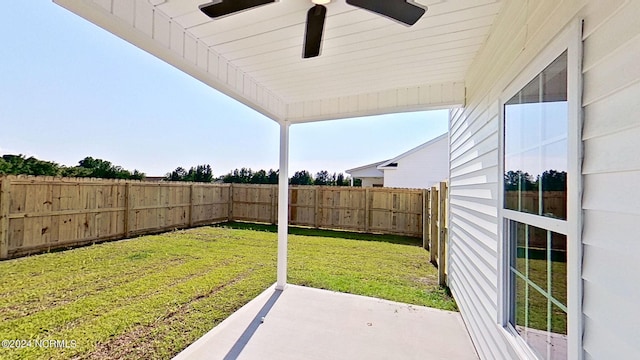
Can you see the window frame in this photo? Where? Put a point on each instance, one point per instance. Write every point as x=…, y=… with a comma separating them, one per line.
x=570, y=40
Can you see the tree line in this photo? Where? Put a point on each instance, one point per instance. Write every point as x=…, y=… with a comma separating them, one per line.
x=551, y=180
x=98, y=168
x=202, y=173
x=87, y=167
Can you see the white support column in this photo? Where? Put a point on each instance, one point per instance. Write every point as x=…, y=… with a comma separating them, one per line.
x=283, y=206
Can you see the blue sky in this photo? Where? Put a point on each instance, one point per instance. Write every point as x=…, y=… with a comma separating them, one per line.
x=69, y=89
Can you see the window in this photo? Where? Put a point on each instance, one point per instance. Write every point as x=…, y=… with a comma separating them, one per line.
x=535, y=142
x=538, y=276
x=536, y=162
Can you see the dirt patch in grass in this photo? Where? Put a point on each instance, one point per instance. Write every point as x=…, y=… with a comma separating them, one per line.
x=428, y=281
x=120, y=346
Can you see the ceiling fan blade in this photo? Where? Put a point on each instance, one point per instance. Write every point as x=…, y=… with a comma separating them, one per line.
x=400, y=10
x=219, y=8
x=313, y=33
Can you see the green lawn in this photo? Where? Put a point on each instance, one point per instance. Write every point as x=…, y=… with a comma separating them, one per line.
x=152, y=296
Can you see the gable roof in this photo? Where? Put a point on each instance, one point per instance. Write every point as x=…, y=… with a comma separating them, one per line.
x=393, y=163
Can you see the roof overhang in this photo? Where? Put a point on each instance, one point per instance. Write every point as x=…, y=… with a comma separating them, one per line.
x=370, y=65
x=369, y=170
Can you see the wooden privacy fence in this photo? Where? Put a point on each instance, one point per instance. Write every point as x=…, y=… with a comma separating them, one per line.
x=41, y=213
x=383, y=210
x=436, y=238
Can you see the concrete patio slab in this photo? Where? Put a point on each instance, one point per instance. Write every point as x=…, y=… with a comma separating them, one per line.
x=307, y=323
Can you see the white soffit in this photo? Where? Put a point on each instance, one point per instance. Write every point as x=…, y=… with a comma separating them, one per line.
x=369, y=64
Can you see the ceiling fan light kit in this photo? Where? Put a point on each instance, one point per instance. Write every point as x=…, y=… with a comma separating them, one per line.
x=403, y=11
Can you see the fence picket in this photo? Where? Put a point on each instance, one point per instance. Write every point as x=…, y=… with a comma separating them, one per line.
x=5, y=193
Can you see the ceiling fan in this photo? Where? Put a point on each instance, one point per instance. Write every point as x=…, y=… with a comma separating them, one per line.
x=404, y=11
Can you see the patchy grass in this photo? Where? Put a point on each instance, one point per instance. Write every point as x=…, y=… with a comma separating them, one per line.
x=152, y=296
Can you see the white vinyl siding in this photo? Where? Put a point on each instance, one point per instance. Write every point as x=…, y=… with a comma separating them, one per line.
x=611, y=169
x=369, y=182
x=421, y=169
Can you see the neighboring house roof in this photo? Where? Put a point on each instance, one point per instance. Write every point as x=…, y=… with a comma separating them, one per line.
x=370, y=170
x=393, y=163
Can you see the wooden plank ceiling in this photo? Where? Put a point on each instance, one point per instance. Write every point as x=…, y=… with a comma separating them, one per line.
x=368, y=65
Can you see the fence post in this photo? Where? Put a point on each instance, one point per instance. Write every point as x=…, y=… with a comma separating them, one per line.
x=433, y=224
x=367, y=210
x=447, y=254
x=442, y=234
x=191, y=201
x=230, y=212
x=5, y=196
x=425, y=214
x=316, y=207
x=274, y=204
x=127, y=208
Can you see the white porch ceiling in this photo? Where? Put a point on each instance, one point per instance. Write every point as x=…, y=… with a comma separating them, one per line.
x=368, y=65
